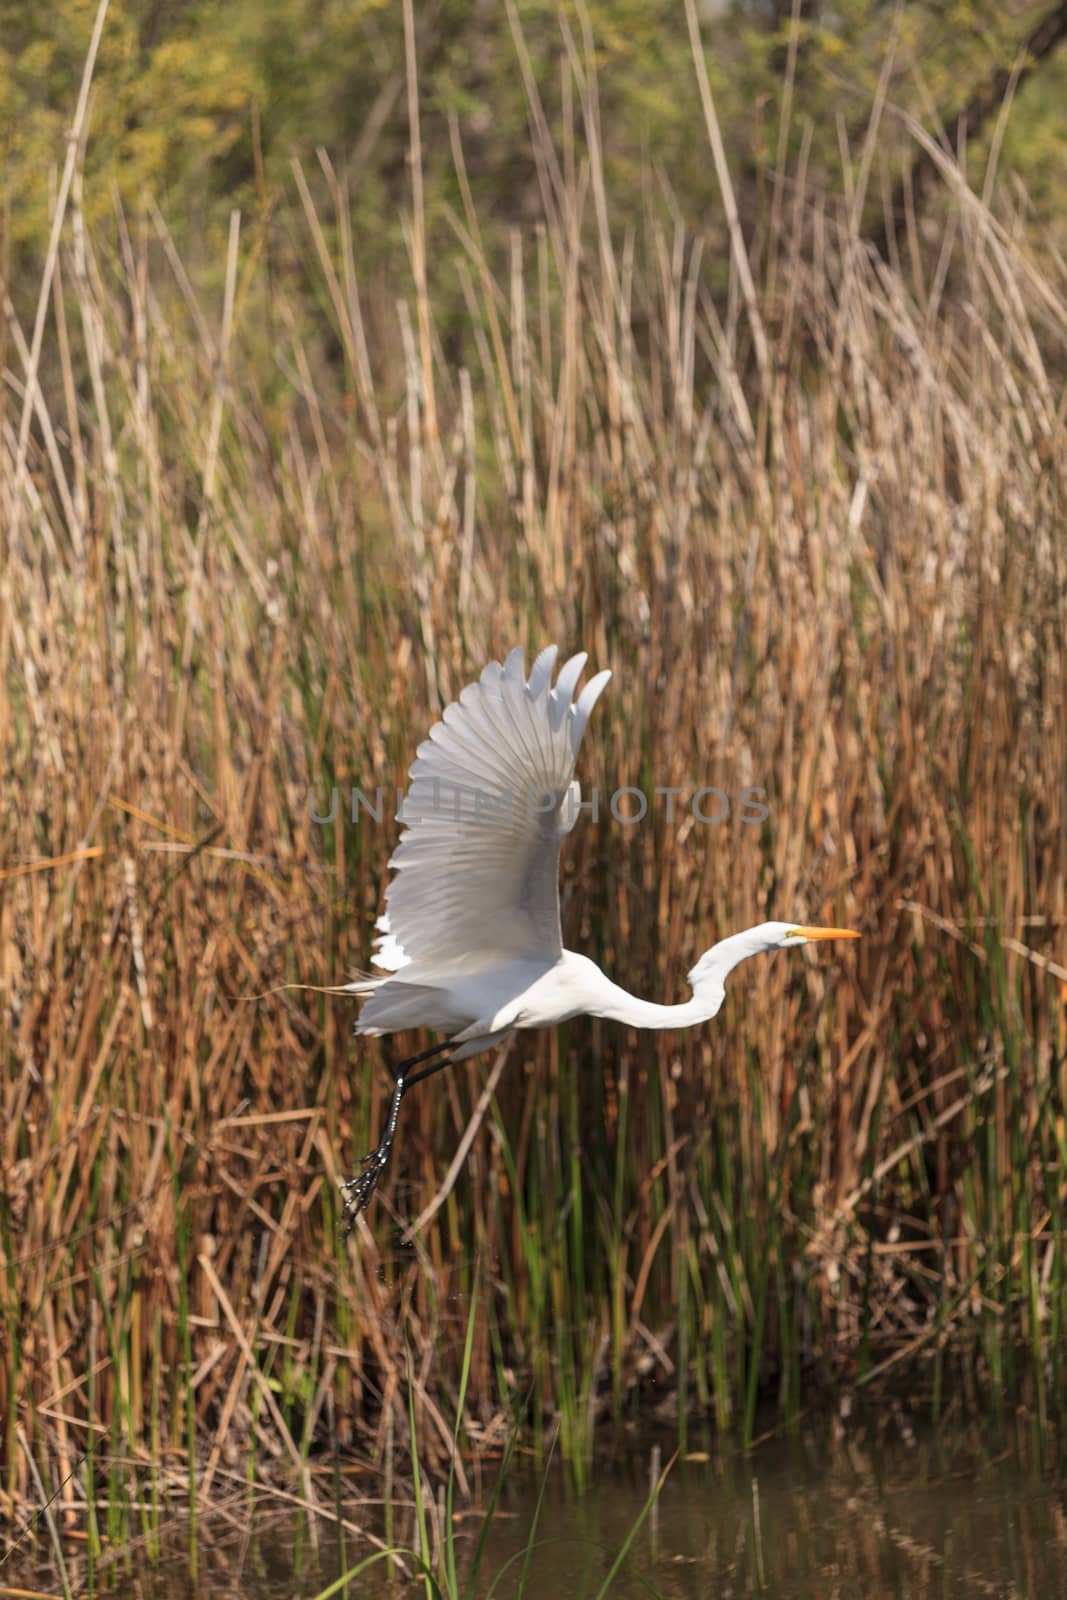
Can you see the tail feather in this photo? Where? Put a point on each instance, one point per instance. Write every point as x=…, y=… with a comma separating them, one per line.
x=393, y=1005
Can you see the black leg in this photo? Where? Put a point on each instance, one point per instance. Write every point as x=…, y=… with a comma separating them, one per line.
x=401, y=1069
x=427, y=1072
x=357, y=1191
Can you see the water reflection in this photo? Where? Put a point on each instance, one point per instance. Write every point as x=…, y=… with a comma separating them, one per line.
x=864, y=1510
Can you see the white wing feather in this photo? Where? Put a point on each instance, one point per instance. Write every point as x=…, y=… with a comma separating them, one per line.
x=491, y=796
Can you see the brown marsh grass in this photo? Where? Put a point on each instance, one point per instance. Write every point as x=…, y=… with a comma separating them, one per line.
x=807, y=503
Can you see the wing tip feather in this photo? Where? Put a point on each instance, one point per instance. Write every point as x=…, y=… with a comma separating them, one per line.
x=583, y=706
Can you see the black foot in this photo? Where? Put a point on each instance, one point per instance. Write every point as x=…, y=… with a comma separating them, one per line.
x=356, y=1192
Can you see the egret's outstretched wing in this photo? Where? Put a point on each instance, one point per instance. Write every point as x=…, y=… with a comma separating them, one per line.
x=489, y=801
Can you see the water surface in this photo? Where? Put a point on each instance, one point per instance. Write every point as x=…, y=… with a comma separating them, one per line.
x=871, y=1511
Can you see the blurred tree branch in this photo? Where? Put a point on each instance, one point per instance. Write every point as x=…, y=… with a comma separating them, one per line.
x=910, y=189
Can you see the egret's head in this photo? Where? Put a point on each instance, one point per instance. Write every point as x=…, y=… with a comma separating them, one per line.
x=709, y=974
x=784, y=935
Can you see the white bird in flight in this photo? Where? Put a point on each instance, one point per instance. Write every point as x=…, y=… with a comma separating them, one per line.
x=470, y=943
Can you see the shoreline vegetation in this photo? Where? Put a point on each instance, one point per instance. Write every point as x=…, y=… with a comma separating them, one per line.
x=260, y=525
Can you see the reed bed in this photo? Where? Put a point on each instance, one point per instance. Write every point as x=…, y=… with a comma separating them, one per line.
x=261, y=521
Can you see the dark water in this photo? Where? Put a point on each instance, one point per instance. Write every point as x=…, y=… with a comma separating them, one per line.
x=869, y=1513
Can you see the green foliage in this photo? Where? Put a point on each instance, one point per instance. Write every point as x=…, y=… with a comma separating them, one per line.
x=170, y=106
x=201, y=106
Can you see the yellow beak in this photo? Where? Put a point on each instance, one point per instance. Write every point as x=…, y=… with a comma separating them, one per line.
x=825, y=933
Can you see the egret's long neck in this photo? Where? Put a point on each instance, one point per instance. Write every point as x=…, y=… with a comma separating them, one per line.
x=620, y=1006
x=707, y=978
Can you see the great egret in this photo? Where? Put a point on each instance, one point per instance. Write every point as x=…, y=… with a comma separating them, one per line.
x=470, y=940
